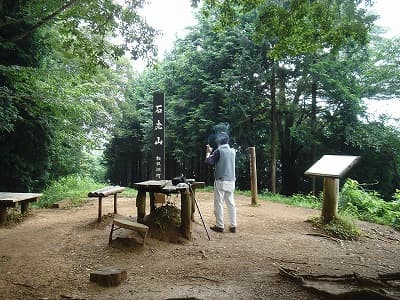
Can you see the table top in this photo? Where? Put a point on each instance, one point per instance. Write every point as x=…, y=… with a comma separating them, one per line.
x=16, y=197
x=163, y=186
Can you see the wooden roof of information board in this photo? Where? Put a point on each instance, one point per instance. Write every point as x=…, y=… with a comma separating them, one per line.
x=332, y=166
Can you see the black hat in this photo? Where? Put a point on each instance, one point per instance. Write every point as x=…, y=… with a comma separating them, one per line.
x=222, y=138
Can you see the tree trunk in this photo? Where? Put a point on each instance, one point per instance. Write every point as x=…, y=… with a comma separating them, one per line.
x=128, y=173
x=273, y=131
x=290, y=178
x=314, y=129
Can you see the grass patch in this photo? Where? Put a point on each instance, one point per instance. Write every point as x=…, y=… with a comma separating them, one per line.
x=72, y=187
x=129, y=192
x=306, y=201
x=354, y=201
x=206, y=189
x=341, y=227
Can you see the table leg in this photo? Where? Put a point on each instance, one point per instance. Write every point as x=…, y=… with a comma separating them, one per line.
x=100, y=210
x=115, y=204
x=192, y=196
x=186, y=214
x=24, y=207
x=3, y=215
x=152, y=202
x=141, y=205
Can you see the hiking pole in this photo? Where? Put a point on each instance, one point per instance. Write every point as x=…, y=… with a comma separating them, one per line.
x=198, y=209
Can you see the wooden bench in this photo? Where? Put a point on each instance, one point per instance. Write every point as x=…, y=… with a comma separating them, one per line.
x=12, y=199
x=120, y=223
x=104, y=192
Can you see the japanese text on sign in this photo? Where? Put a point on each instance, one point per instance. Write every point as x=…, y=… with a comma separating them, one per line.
x=158, y=136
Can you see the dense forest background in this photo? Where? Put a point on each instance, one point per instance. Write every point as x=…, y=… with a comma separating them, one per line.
x=290, y=77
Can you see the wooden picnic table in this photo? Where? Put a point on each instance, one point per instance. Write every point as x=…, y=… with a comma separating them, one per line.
x=8, y=199
x=166, y=187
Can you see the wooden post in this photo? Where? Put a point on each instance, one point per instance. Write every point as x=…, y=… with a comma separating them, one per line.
x=115, y=203
x=3, y=215
x=152, y=202
x=100, y=208
x=331, y=196
x=141, y=205
x=253, y=175
x=186, y=214
x=192, y=196
x=24, y=207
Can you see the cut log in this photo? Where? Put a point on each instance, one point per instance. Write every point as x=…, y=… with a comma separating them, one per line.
x=108, y=276
x=107, y=191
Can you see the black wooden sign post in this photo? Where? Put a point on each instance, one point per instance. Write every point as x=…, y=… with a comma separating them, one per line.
x=158, y=136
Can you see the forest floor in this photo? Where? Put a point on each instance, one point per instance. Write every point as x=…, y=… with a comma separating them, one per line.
x=52, y=252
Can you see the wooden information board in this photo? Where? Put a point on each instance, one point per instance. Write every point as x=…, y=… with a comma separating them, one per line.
x=332, y=166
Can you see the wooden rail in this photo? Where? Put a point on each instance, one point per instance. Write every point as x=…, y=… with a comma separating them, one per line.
x=104, y=192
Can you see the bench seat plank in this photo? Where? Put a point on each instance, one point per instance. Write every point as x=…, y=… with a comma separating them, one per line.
x=122, y=223
x=131, y=225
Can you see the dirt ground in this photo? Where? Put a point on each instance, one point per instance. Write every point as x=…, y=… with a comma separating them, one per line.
x=52, y=252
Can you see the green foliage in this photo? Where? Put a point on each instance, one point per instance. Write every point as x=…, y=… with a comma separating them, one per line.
x=58, y=101
x=298, y=27
x=307, y=201
x=396, y=195
x=80, y=30
x=72, y=187
x=368, y=206
x=342, y=227
x=167, y=216
x=129, y=192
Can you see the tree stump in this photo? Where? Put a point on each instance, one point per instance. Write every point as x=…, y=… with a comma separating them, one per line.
x=108, y=276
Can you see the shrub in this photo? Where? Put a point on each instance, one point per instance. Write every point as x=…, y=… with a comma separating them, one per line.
x=71, y=187
x=368, y=205
x=342, y=227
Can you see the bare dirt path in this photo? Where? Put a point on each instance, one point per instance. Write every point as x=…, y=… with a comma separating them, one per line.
x=50, y=255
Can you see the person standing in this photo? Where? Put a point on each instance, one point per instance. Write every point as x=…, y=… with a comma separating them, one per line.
x=223, y=158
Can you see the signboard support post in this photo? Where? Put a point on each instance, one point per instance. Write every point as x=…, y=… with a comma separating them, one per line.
x=331, y=198
x=158, y=172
